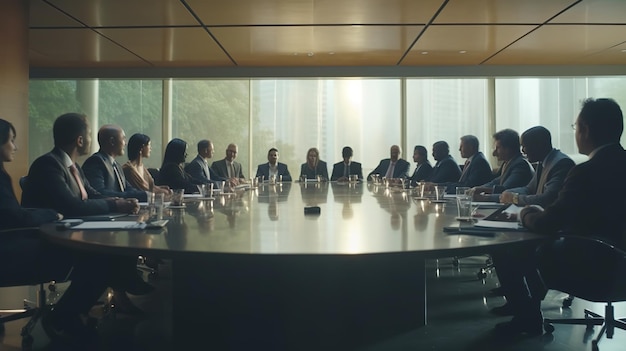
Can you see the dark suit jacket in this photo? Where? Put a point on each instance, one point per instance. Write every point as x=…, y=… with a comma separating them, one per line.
x=477, y=172
x=544, y=191
x=174, y=176
x=99, y=171
x=422, y=173
x=338, y=168
x=400, y=171
x=196, y=170
x=220, y=168
x=518, y=173
x=445, y=171
x=591, y=202
x=12, y=215
x=320, y=170
x=51, y=185
x=264, y=170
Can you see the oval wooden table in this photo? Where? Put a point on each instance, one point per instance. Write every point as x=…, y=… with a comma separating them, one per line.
x=252, y=270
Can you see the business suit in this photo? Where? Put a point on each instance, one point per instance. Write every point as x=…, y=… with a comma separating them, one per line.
x=445, y=170
x=199, y=170
x=517, y=172
x=12, y=215
x=476, y=172
x=320, y=170
x=422, y=172
x=339, y=168
x=282, y=169
x=99, y=171
x=221, y=169
x=544, y=191
x=174, y=176
x=401, y=169
x=590, y=204
x=51, y=185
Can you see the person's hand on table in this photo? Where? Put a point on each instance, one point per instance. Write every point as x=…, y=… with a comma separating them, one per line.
x=480, y=193
x=507, y=197
x=127, y=205
x=528, y=210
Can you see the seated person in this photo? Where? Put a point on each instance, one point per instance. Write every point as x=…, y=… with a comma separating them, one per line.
x=392, y=167
x=140, y=147
x=553, y=167
x=476, y=171
x=273, y=167
x=423, y=168
x=199, y=169
x=229, y=168
x=342, y=170
x=581, y=209
x=446, y=169
x=314, y=166
x=514, y=172
x=28, y=255
x=104, y=173
x=172, y=172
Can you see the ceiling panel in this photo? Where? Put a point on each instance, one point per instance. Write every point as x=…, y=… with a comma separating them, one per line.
x=501, y=11
x=96, y=13
x=273, y=12
x=613, y=56
x=44, y=15
x=595, y=11
x=462, y=45
x=561, y=44
x=78, y=47
x=326, y=45
x=170, y=46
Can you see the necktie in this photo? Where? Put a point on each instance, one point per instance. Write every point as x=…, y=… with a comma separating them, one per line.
x=467, y=162
x=502, y=170
x=346, y=170
x=118, y=175
x=538, y=173
x=79, y=181
x=389, y=174
x=231, y=170
x=205, y=169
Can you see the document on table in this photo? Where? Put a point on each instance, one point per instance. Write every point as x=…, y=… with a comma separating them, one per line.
x=127, y=225
x=504, y=218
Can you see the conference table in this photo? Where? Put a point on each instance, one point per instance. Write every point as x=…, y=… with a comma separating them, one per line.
x=252, y=269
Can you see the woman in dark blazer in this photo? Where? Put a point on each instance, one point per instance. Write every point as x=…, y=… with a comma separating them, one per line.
x=314, y=166
x=172, y=172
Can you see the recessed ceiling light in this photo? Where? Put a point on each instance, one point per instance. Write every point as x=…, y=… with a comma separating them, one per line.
x=462, y=52
x=623, y=50
x=424, y=52
x=331, y=53
x=295, y=54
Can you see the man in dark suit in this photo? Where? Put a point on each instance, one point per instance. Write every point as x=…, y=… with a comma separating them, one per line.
x=273, y=167
x=56, y=181
x=199, y=169
x=104, y=173
x=392, y=167
x=342, y=170
x=477, y=170
x=229, y=168
x=552, y=169
x=515, y=171
x=423, y=168
x=581, y=209
x=446, y=169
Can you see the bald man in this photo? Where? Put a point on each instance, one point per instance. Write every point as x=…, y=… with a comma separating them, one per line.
x=229, y=168
x=394, y=166
x=103, y=172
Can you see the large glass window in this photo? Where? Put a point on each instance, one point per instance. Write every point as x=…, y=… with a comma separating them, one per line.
x=446, y=109
x=295, y=115
x=217, y=110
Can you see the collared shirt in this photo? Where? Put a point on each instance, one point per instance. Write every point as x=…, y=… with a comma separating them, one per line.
x=273, y=170
x=67, y=161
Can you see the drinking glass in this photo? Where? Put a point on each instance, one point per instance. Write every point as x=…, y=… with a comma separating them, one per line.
x=177, y=197
x=156, y=204
x=440, y=191
x=464, y=206
x=462, y=190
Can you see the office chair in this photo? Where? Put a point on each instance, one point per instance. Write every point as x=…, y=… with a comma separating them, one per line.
x=10, y=279
x=591, y=270
x=155, y=173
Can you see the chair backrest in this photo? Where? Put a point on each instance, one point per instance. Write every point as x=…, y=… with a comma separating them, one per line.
x=23, y=182
x=155, y=173
x=585, y=267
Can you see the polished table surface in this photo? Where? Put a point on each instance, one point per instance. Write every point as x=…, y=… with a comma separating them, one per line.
x=255, y=270
x=354, y=219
